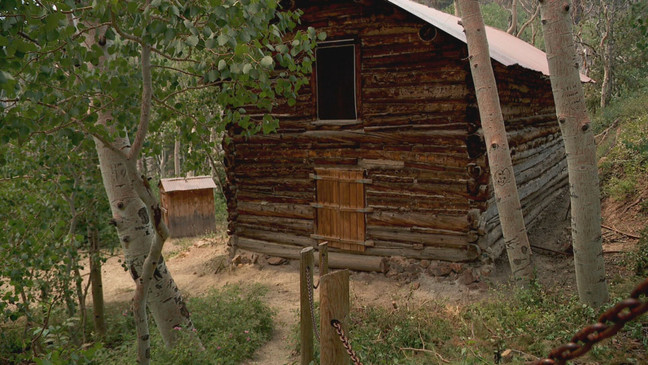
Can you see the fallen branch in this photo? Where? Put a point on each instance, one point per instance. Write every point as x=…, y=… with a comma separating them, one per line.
x=425, y=350
x=631, y=235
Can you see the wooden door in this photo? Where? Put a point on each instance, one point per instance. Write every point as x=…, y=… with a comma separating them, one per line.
x=341, y=208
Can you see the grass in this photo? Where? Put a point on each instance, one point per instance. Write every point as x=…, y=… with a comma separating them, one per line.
x=232, y=324
x=527, y=322
x=623, y=148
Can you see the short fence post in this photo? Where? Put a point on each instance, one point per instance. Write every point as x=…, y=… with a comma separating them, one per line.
x=305, y=319
x=334, y=304
x=323, y=258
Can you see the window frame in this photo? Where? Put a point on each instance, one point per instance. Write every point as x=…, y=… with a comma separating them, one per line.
x=343, y=42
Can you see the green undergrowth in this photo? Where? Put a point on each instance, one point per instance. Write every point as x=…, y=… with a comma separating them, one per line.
x=526, y=322
x=622, y=136
x=232, y=324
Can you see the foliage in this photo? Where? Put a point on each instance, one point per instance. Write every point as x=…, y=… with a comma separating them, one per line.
x=214, y=64
x=232, y=322
x=48, y=201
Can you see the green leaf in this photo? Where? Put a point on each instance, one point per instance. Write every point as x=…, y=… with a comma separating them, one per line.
x=321, y=36
x=222, y=39
x=212, y=75
x=247, y=68
x=221, y=65
x=192, y=40
x=266, y=61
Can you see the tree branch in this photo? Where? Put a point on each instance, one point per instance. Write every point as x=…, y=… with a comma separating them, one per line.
x=176, y=69
x=204, y=86
x=120, y=32
x=531, y=19
x=169, y=57
x=175, y=110
x=145, y=110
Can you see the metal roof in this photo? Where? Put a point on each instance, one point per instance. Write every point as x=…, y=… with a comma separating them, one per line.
x=505, y=48
x=187, y=183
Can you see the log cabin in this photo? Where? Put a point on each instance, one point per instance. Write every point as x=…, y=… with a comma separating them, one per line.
x=383, y=155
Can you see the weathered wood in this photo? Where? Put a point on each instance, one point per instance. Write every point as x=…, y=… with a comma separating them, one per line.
x=305, y=315
x=337, y=260
x=323, y=258
x=397, y=234
x=334, y=305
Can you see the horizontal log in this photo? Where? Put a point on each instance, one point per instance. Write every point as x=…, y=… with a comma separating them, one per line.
x=336, y=260
x=299, y=211
x=274, y=235
x=457, y=223
x=469, y=253
x=286, y=224
x=394, y=234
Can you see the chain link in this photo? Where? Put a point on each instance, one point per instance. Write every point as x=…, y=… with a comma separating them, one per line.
x=345, y=341
x=610, y=322
x=310, y=301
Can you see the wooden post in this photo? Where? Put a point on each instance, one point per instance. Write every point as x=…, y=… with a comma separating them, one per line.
x=323, y=258
x=305, y=317
x=334, y=304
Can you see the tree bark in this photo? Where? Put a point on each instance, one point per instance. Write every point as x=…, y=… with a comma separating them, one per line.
x=456, y=9
x=97, y=285
x=581, y=152
x=499, y=158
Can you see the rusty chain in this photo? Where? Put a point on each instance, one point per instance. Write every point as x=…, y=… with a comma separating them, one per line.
x=345, y=341
x=610, y=322
x=310, y=302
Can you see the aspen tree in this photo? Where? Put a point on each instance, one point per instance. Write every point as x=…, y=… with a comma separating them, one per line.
x=581, y=152
x=499, y=158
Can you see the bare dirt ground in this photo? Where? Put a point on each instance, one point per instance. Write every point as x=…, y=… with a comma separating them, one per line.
x=202, y=264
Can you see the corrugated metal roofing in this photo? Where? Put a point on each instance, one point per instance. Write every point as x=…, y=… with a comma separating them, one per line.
x=504, y=48
x=187, y=183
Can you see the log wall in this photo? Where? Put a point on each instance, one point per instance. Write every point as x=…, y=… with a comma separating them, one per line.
x=417, y=138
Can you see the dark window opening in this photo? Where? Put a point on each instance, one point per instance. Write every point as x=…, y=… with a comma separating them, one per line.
x=336, y=89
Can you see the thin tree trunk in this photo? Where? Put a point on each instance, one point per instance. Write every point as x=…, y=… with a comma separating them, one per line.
x=176, y=157
x=514, y=18
x=581, y=152
x=499, y=158
x=97, y=285
x=456, y=9
x=607, y=45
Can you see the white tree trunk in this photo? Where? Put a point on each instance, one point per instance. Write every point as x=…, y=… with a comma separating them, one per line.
x=581, y=152
x=136, y=233
x=499, y=158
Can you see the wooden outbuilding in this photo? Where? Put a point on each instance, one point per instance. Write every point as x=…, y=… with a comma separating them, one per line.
x=383, y=154
x=188, y=205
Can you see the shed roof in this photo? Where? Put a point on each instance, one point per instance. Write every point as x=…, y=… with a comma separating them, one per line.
x=187, y=183
x=504, y=48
